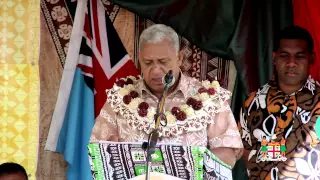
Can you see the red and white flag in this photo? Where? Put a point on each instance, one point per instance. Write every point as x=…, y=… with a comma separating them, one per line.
x=96, y=59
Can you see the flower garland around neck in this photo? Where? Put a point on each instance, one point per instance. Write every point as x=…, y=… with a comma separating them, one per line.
x=193, y=105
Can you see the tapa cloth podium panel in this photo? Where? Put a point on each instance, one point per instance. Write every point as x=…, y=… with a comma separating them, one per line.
x=112, y=160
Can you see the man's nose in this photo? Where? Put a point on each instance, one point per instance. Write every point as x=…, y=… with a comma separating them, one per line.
x=157, y=70
x=292, y=62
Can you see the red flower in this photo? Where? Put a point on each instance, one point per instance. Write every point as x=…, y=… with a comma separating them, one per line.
x=175, y=111
x=134, y=94
x=197, y=105
x=202, y=90
x=120, y=83
x=211, y=91
x=191, y=101
x=143, y=105
x=181, y=116
x=129, y=81
x=143, y=112
x=126, y=99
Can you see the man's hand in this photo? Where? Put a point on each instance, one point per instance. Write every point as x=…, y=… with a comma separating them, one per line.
x=226, y=155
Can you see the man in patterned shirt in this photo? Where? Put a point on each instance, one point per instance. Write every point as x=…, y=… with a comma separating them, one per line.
x=197, y=113
x=284, y=111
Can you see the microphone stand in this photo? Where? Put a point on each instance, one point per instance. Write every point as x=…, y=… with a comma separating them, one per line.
x=153, y=136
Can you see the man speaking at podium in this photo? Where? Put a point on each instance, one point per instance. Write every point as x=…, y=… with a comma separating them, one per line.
x=194, y=113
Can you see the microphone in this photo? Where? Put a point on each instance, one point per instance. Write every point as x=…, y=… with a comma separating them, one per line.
x=168, y=79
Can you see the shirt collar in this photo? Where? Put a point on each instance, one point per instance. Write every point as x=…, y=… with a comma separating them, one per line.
x=309, y=85
x=182, y=86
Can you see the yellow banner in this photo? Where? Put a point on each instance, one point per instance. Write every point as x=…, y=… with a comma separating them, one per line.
x=19, y=82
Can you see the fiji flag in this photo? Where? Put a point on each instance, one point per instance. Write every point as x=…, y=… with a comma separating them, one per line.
x=96, y=59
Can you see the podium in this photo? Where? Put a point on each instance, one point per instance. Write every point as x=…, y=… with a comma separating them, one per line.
x=124, y=160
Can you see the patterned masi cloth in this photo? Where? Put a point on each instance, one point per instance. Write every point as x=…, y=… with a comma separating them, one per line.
x=269, y=112
x=111, y=160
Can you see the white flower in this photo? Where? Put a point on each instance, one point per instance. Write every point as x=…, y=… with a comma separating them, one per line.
x=206, y=84
x=189, y=111
x=115, y=87
x=135, y=103
x=123, y=92
x=204, y=96
x=130, y=87
x=151, y=113
x=215, y=84
x=213, y=96
x=132, y=78
x=193, y=91
x=184, y=107
x=171, y=119
x=196, y=97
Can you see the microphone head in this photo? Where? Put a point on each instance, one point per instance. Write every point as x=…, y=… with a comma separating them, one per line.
x=168, y=79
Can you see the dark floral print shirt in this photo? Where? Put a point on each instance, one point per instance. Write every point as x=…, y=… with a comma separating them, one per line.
x=270, y=113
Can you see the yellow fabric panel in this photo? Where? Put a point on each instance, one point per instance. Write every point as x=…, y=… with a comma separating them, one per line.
x=19, y=82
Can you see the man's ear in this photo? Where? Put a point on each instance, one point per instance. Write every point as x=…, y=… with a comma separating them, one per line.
x=312, y=58
x=180, y=57
x=273, y=58
x=139, y=65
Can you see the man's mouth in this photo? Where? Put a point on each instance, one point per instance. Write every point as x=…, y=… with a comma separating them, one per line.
x=291, y=73
x=157, y=80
